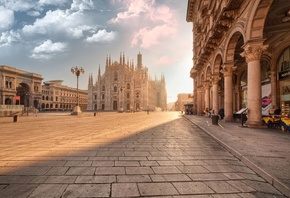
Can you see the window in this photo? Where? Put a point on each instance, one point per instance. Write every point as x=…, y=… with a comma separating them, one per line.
x=115, y=76
x=103, y=88
x=103, y=96
x=95, y=97
x=128, y=86
x=115, y=89
x=128, y=95
x=8, y=84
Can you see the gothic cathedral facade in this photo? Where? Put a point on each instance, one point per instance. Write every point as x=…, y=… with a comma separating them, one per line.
x=124, y=87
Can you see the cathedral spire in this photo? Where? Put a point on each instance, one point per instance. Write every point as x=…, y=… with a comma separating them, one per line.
x=90, y=81
x=99, y=73
x=139, y=60
x=121, y=61
x=107, y=61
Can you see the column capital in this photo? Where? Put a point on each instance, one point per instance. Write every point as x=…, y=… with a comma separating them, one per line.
x=206, y=85
x=215, y=80
x=228, y=69
x=273, y=75
x=253, y=50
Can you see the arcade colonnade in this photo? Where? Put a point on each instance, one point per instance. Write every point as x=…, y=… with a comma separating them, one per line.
x=241, y=56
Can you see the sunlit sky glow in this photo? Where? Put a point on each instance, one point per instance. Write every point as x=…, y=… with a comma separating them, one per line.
x=49, y=37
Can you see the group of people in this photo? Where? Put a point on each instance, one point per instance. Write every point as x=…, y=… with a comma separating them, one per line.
x=275, y=111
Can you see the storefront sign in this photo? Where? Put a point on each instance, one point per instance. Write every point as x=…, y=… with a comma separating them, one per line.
x=286, y=90
x=284, y=74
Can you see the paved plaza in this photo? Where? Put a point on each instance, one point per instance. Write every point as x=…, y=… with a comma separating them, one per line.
x=163, y=154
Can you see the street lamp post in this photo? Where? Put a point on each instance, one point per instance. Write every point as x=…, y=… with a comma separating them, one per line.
x=77, y=71
x=121, y=110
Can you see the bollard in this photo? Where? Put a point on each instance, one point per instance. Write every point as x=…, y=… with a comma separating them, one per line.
x=15, y=118
x=215, y=119
x=95, y=113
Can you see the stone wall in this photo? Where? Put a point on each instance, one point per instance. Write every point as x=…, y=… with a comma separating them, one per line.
x=10, y=110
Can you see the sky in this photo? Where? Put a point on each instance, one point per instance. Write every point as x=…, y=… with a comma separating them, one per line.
x=49, y=37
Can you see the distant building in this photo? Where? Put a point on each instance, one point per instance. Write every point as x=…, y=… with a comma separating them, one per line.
x=56, y=96
x=19, y=87
x=182, y=99
x=126, y=87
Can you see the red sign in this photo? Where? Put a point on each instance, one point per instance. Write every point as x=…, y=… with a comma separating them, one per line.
x=17, y=97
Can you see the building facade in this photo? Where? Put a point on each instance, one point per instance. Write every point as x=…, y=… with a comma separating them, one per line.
x=124, y=87
x=241, y=56
x=182, y=99
x=19, y=87
x=58, y=97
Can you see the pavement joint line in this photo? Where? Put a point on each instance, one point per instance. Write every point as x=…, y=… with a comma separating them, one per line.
x=262, y=173
x=220, y=126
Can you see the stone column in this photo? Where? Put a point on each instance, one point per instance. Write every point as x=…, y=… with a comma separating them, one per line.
x=193, y=74
x=207, y=95
x=228, y=69
x=199, y=103
x=274, y=88
x=194, y=98
x=252, y=53
x=215, y=96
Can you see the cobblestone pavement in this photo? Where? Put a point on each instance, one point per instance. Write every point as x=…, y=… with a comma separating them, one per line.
x=265, y=150
x=119, y=155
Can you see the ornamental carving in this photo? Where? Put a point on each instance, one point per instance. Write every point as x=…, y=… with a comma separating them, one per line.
x=206, y=85
x=252, y=52
x=215, y=80
x=228, y=70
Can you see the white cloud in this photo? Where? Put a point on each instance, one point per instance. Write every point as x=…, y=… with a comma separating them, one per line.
x=80, y=5
x=18, y=5
x=33, y=13
x=6, y=18
x=59, y=22
x=9, y=37
x=53, y=2
x=134, y=9
x=102, y=36
x=150, y=37
x=48, y=49
x=155, y=21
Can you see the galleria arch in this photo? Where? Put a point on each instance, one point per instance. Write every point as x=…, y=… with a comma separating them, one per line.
x=241, y=55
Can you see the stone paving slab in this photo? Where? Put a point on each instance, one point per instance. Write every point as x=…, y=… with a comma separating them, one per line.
x=264, y=150
x=139, y=155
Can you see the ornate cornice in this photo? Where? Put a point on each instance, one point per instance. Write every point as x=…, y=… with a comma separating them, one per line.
x=208, y=41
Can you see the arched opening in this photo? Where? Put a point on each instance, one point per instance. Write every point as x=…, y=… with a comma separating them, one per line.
x=23, y=90
x=284, y=81
x=115, y=76
x=36, y=104
x=137, y=106
x=8, y=101
x=115, y=105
